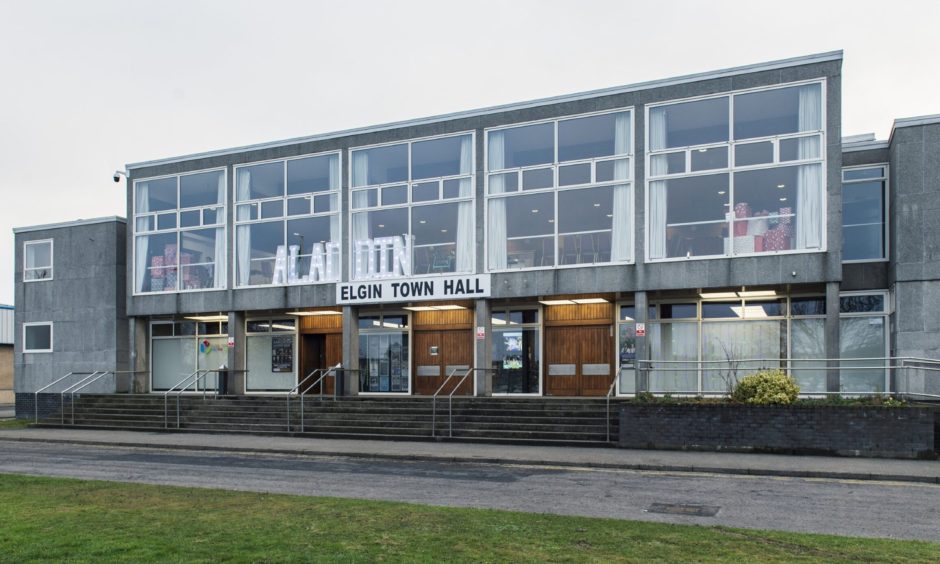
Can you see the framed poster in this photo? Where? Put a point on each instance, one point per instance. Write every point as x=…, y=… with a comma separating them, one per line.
x=282, y=353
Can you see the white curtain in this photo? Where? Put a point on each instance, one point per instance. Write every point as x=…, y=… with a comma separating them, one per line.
x=360, y=199
x=243, y=232
x=496, y=222
x=221, y=264
x=809, y=189
x=622, y=234
x=465, y=231
x=143, y=243
x=657, y=191
x=334, y=220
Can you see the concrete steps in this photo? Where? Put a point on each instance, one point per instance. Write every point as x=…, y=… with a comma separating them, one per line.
x=580, y=421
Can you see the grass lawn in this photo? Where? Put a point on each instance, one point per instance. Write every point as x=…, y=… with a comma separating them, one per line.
x=63, y=519
x=14, y=423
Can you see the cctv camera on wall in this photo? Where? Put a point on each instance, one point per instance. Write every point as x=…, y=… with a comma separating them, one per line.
x=118, y=174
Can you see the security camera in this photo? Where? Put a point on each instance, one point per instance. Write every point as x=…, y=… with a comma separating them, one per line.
x=118, y=174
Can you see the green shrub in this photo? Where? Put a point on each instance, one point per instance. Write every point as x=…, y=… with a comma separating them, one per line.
x=767, y=387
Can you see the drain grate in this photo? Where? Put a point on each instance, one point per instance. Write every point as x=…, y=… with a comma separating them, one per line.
x=684, y=509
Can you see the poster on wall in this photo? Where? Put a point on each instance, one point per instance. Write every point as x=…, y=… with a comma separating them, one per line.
x=282, y=354
x=512, y=342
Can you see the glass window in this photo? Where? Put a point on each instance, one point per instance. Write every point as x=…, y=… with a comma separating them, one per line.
x=189, y=250
x=862, y=303
x=739, y=348
x=37, y=260
x=515, y=360
x=304, y=246
x=673, y=352
x=178, y=350
x=863, y=214
x=384, y=360
x=777, y=112
x=808, y=306
x=862, y=337
x=409, y=231
x=37, y=337
x=808, y=342
x=271, y=362
x=767, y=208
x=380, y=165
x=594, y=136
x=677, y=311
x=589, y=225
x=521, y=146
x=689, y=123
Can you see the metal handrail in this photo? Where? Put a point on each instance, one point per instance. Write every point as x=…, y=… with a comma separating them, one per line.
x=46, y=387
x=610, y=392
x=67, y=390
x=324, y=372
x=450, y=398
x=87, y=383
x=166, y=396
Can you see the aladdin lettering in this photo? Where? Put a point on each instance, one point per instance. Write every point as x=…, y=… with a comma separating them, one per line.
x=324, y=267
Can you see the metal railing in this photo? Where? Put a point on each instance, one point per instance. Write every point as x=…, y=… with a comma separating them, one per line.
x=610, y=393
x=301, y=391
x=450, y=398
x=895, y=376
x=84, y=379
x=192, y=381
x=85, y=382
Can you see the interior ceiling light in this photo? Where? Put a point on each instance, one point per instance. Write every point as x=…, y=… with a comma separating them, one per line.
x=749, y=312
x=208, y=318
x=556, y=302
x=308, y=313
x=590, y=301
x=446, y=307
x=758, y=294
x=718, y=295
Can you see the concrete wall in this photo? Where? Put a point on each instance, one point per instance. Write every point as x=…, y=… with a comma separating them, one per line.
x=915, y=240
x=780, y=269
x=85, y=301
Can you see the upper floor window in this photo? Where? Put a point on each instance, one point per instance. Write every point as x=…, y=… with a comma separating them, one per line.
x=37, y=260
x=179, y=232
x=864, y=210
x=739, y=174
x=412, y=208
x=560, y=192
x=37, y=337
x=287, y=221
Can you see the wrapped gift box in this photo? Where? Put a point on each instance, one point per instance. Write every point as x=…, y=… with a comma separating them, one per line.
x=744, y=244
x=777, y=239
x=169, y=255
x=742, y=210
x=156, y=264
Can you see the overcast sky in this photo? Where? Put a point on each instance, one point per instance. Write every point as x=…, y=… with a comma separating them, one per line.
x=86, y=87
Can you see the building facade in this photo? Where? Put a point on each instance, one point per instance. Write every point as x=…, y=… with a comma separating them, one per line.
x=663, y=237
x=6, y=354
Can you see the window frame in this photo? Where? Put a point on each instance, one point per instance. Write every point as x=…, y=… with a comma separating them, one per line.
x=284, y=218
x=731, y=169
x=51, y=267
x=409, y=183
x=178, y=230
x=538, y=325
x=195, y=337
x=886, y=215
x=555, y=165
x=885, y=314
x=50, y=325
x=295, y=333
x=407, y=330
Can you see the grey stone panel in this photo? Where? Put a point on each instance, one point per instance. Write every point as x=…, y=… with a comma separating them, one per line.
x=865, y=276
x=859, y=158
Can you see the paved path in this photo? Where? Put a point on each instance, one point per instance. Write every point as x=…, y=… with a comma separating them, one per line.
x=858, y=508
x=927, y=471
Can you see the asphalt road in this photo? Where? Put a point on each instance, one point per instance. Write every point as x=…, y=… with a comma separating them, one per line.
x=873, y=509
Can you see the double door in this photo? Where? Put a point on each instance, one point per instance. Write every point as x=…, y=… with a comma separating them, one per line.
x=436, y=355
x=579, y=360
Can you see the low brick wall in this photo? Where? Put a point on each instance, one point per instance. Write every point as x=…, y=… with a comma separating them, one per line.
x=840, y=430
x=49, y=405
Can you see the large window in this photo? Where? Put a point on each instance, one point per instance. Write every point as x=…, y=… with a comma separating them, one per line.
x=271, y=355
x=412, y=208
x=180, y=348
x=863, y=335
x=37, y=337
x=864, y=213
x=179, y=228
x=740, y=174
x=559, y=193
x=287, y=221
x=37, y=260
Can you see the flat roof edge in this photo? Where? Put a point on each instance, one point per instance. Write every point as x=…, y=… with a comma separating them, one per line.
x=732, y=71
x=864, y=146
x=77, y=222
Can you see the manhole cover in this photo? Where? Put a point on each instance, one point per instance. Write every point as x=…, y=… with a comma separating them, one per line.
x=684, y=509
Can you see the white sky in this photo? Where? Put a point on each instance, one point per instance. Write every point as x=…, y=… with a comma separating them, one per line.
x=86, y=87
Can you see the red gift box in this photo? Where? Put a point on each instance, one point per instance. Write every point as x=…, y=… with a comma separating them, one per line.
x=742, y=210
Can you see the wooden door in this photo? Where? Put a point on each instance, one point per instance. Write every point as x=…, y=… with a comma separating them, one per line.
x=578, y=360
x=313, y=357
x=437, y=354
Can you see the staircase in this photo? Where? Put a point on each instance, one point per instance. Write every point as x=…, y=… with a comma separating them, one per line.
x=575, y=421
